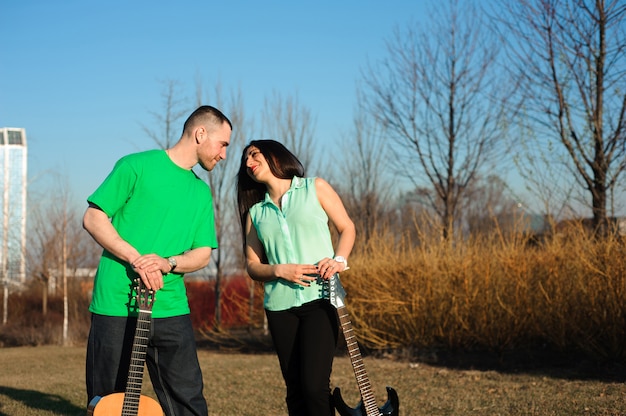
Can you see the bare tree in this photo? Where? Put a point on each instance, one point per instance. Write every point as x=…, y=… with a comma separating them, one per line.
x=440, y=98
x=543, y=171
x=222, y=182
x=221, y=179
x=57, y=245
x=168, y=127
x=365, y=185
x=571, y=57
x=491, y=207
x=286, y=120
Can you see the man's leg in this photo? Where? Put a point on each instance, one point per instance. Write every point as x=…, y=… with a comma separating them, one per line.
x=172, y=362
x=108, y=354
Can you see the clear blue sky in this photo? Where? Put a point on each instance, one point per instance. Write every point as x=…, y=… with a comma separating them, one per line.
x=83, y=76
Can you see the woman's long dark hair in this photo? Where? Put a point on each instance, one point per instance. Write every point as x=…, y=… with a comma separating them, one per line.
x=282, y=163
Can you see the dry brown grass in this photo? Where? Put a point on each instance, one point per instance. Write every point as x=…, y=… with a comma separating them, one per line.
x=491, y=293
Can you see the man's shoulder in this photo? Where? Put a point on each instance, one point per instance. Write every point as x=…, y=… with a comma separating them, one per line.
x=140, y=160
x=145, y=155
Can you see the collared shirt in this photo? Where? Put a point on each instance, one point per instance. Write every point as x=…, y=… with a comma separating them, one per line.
x=296, y=234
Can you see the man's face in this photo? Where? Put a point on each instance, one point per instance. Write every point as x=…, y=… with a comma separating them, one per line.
x=213, y=148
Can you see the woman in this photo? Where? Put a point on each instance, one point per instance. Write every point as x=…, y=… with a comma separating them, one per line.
x=288, y=247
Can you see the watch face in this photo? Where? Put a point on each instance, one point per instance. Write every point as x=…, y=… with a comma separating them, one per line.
x=340, y=259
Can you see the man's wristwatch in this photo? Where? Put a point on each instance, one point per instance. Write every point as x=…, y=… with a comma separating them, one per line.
x=172, y=262
x=342, y=259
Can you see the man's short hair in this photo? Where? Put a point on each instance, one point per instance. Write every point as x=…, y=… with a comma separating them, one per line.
x=206, y=115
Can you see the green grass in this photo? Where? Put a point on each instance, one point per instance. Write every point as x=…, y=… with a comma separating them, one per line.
x=50, y=381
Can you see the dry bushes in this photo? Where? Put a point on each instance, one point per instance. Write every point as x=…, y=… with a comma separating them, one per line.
x=27, y=324
x=238, y=308
x=496, y=294
x=491, y=293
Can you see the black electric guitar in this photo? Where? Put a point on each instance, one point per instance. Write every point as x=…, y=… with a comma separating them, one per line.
x=132, y=402
x=367, y=406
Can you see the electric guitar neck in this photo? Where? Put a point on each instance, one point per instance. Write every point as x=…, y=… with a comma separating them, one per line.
x=368, y=405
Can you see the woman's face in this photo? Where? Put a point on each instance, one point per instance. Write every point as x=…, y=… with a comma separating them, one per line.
x=256, y=164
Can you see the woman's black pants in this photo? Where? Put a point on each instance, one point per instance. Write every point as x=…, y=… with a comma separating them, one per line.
x=305, y=339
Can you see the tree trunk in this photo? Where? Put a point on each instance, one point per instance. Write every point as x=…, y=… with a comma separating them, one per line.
x=5, y=303
x=600, y=219
x=251, y=305
x=218, y=299
x=44, y=298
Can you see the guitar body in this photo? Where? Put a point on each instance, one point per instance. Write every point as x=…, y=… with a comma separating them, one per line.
x=390, y=408
x=112, y=404
x=132, y=402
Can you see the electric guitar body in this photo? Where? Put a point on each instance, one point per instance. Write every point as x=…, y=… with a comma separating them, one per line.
x=390, y=408
x=368, y=405
x=132, y=402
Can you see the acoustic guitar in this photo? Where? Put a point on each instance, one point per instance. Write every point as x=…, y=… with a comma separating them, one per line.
x=368, y=405
x=132, y=402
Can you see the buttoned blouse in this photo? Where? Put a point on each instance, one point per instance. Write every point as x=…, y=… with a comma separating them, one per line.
x=295, y=233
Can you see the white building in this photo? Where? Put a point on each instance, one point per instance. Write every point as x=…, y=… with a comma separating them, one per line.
x=13, y=157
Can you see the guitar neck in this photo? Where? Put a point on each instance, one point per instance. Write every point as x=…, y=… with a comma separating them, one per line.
x=362, y=380
x=137, y=360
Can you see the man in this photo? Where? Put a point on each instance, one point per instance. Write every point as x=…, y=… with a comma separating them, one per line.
x=154, y=219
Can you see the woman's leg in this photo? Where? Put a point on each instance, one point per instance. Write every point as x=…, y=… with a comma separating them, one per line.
x=283, y=326
x=318, y=341
x=305, y=339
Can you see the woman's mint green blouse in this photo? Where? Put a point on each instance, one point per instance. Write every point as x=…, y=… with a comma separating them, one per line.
x=297, y=234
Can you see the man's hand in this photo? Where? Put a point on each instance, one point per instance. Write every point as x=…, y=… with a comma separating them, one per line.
x=151, y=269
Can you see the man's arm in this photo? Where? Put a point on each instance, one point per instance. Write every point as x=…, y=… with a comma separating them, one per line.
x=187, y=262
x=98, y=225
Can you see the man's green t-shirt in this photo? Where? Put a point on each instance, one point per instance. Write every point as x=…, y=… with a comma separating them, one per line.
x=157, y=207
